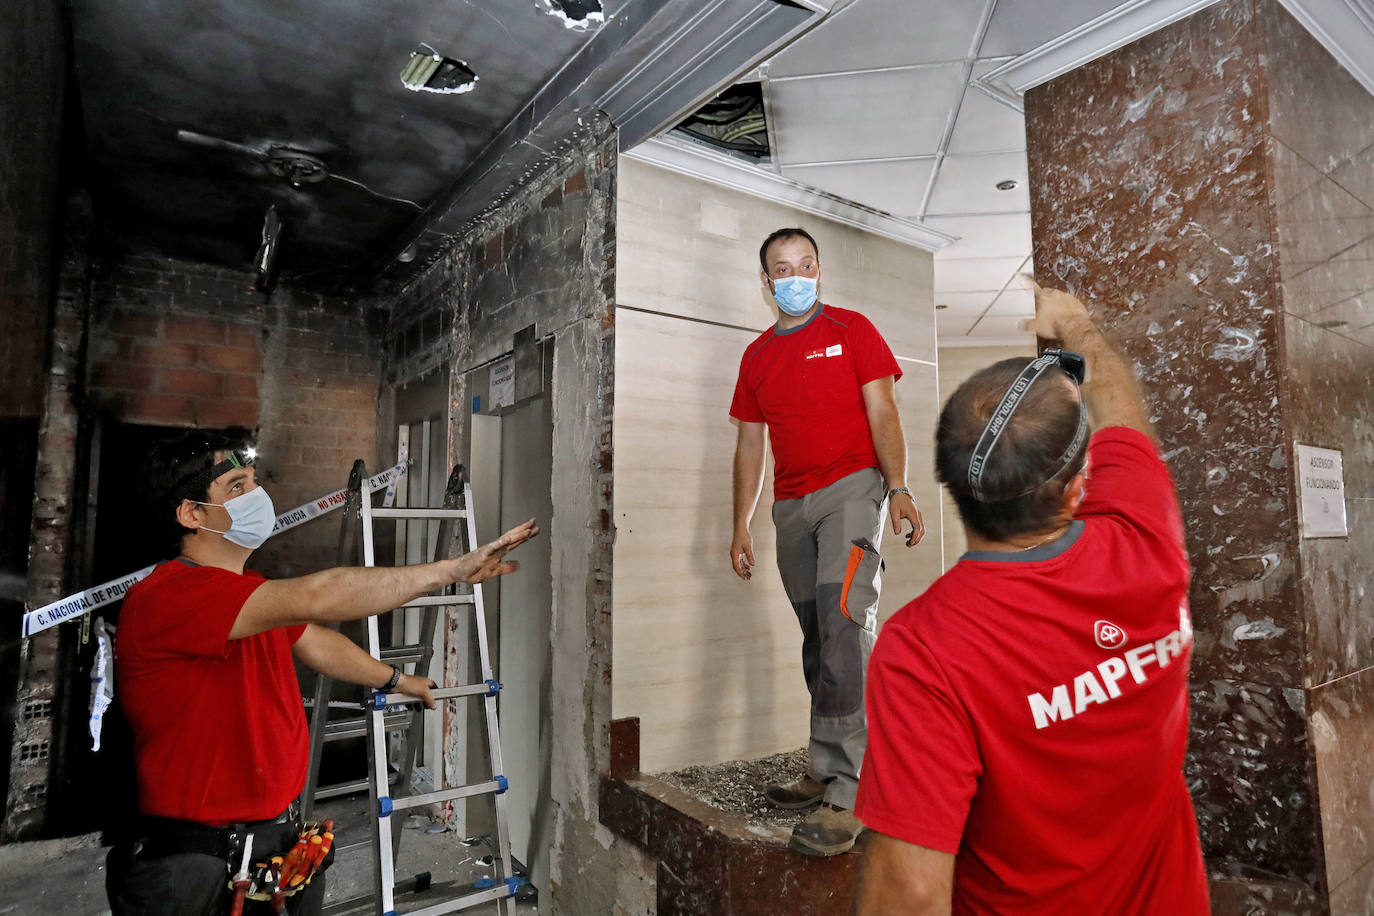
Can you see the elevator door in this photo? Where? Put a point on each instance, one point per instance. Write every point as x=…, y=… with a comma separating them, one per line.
x=512, y=463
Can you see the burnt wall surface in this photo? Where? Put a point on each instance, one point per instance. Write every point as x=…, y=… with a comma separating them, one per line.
x=1161, y=194
x=33, y=65
x=175, y=343
x=545, y=258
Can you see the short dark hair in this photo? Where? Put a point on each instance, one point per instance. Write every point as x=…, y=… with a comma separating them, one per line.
x=1030, y=449
x=171, y=467
x=795, y=232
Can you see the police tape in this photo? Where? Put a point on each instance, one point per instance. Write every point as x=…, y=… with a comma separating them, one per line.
x=73, y=606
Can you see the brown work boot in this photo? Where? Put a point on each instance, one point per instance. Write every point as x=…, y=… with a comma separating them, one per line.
x=800, y=793
x=827, y=831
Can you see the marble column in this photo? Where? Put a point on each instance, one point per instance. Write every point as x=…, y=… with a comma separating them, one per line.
x=1210, y=189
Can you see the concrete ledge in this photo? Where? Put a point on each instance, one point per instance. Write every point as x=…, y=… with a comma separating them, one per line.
x=712, y=862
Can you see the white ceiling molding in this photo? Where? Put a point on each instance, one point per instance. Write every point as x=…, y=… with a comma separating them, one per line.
x=1345, y=28
x=1091, y=40
x=697, y=161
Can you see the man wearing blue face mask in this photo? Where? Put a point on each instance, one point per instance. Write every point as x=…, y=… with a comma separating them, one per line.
x=205, y=656
x=818, y=386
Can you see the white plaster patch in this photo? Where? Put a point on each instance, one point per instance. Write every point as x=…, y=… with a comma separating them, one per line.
x=1259, y=629
x=1324, y=737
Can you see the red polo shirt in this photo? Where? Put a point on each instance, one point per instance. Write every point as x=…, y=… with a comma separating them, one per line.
x=218, y=724
x=805, y=382
x=1029, y=711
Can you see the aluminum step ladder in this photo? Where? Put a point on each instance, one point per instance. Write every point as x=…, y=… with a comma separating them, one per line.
x=397, y=713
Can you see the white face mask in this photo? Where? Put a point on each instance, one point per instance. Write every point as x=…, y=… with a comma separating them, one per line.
x=251, y=517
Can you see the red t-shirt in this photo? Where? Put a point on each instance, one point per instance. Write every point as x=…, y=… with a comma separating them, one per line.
x=804, y=383
x=218, y=724
x=1030, y=713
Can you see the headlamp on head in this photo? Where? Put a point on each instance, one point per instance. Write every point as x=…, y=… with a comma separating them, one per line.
x=193, y=486
x=1076, y=367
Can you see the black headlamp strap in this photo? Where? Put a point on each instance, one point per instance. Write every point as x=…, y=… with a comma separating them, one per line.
x=195, y=484
x=997, y=423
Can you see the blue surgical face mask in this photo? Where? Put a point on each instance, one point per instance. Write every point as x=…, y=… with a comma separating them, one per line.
x=251, y=517
x=794, y=295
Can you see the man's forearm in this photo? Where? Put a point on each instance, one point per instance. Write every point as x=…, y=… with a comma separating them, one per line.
x=890, y=444
x=1112, y=393
x=353, y=593
x=748, y=482
x=337, y=657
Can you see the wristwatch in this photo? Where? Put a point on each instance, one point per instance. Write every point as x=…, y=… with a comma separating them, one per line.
x=895, y=490
x=392, y=682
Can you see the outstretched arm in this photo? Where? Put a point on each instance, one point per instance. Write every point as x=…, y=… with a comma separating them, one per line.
x=1111, y=392
x=890, y=444
x=346, y=593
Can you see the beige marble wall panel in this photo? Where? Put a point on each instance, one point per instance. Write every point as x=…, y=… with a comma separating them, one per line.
x=687, y=247
x=711, y=664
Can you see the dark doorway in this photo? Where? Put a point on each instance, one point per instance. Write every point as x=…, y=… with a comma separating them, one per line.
x=95, y=790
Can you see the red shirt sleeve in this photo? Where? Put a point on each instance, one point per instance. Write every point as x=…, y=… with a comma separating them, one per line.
x=872, y=356
x=745, y=406
x=1128, y=480
x=922, y=764
x=198, y=622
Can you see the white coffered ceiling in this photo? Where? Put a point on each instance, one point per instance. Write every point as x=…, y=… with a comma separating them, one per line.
x=903, y=116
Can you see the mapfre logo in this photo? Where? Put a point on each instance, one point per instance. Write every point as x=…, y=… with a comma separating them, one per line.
x=1109, y=635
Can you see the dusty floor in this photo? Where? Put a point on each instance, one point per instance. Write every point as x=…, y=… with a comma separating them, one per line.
x=737, y=785
x=67, y=877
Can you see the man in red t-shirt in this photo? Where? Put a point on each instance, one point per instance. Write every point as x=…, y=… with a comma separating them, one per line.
x=820, y=383
x=1029, y=711
x=206, y=677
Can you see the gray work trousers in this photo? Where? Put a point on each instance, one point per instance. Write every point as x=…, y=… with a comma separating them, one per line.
x=815, y=533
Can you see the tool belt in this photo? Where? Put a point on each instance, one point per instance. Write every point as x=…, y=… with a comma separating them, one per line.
x=160, y=836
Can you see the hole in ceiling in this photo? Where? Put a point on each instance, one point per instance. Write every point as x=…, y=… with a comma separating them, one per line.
x=938, y=307
x=1007, y=185
x=429, y=71
x=732, y=121
x=576, y=14
x=1332, y=325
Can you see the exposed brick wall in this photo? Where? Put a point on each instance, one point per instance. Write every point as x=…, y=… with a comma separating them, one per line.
x=182, y=344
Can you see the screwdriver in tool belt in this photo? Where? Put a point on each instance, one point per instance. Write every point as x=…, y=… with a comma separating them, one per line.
x=241, y=879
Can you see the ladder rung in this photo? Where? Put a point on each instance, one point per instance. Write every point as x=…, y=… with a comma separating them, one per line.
x=439, y=599
x=404, y=512
x=429, y=798
x=349, y=788
x=341, y=788
x=356, y=726
x=441, y=693
x=404, y=653
x=499, y=892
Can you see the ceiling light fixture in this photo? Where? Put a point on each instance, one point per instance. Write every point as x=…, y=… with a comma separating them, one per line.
x=429, y=71
x=1007, y=184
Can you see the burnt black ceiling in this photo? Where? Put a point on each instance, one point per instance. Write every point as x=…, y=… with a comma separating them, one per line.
x=200, y=114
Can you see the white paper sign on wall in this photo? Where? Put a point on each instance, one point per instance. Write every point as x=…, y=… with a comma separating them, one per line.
x=503, y=382
x=1321, y=490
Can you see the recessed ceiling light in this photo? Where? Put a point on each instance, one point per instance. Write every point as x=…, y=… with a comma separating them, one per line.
x=1006, y=184
x=429, y=71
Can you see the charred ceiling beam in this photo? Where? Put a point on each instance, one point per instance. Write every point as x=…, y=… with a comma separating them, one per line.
x=647, y=66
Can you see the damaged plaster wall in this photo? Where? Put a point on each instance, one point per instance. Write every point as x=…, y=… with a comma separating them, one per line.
x=709, y=663
x=546, y=257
